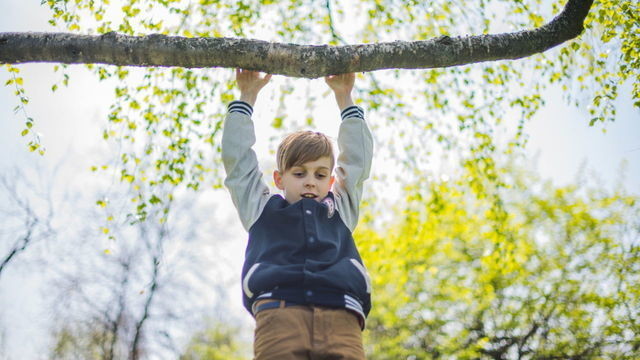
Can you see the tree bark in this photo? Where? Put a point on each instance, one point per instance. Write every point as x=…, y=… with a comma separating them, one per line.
x=293, y=60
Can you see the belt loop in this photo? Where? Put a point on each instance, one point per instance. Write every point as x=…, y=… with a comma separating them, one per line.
x=282, y=304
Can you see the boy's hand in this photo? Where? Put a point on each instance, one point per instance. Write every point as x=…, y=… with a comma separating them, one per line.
x=342, y=85
x=250, y=83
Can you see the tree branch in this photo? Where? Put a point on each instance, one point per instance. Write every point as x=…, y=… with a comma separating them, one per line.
x=21, y=244
x=135, y=352
x=309, y=61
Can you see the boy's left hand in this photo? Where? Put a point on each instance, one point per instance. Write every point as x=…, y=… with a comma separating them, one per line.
x=341, y=84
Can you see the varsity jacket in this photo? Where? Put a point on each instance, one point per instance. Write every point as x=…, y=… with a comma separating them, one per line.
x=302, y=252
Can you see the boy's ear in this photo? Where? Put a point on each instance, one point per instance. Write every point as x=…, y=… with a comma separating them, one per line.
x=333, y=179
x=277, y=178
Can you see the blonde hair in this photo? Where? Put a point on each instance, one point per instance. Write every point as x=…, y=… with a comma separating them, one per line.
x=303, y=146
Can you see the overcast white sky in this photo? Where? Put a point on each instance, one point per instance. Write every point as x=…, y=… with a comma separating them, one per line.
x=70, y=123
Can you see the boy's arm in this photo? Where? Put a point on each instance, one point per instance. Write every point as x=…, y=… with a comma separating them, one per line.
x=244, y=178
x=355, y=144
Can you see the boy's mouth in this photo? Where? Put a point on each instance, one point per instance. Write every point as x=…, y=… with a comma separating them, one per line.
x=309, y=196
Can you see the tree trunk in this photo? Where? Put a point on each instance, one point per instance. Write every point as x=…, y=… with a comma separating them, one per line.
x=290, y=59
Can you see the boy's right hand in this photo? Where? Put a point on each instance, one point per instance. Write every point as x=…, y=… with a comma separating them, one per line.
x=250, y=83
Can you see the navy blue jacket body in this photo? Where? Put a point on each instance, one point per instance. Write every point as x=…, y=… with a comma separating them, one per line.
x=305, y=254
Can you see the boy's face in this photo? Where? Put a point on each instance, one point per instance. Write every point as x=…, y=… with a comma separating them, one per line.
x=312, y=180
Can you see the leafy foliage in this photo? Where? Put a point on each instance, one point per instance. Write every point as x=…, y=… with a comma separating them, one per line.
x=554, y=276
x=165, y=122
x=18, y=83
x=218, y=342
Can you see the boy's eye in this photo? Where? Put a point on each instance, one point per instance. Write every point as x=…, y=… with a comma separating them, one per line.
x=298, y=174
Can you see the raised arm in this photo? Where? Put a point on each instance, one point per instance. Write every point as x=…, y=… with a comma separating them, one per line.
x=355, y=145
x=244, y=178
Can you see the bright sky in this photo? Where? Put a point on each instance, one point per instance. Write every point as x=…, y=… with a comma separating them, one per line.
x=71, y=121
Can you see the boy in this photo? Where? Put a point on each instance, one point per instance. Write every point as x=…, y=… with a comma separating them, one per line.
x=303, y=279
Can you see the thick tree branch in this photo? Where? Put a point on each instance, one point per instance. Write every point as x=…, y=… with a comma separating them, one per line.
x=290, y=59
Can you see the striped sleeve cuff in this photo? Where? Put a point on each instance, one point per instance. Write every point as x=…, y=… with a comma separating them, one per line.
x=352, y=111
x=241, y=107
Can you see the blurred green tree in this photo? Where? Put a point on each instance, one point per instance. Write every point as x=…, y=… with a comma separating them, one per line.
x=217, y=342
x=551, y=274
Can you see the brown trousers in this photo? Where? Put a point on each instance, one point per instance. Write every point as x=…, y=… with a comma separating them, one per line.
x=307, y=332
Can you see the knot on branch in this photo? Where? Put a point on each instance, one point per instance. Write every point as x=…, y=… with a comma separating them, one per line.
x=111, y=35
x=444, y=40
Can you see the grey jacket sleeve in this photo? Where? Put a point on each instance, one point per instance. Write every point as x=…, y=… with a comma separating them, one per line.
x=244, y=179
x=354, y=164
